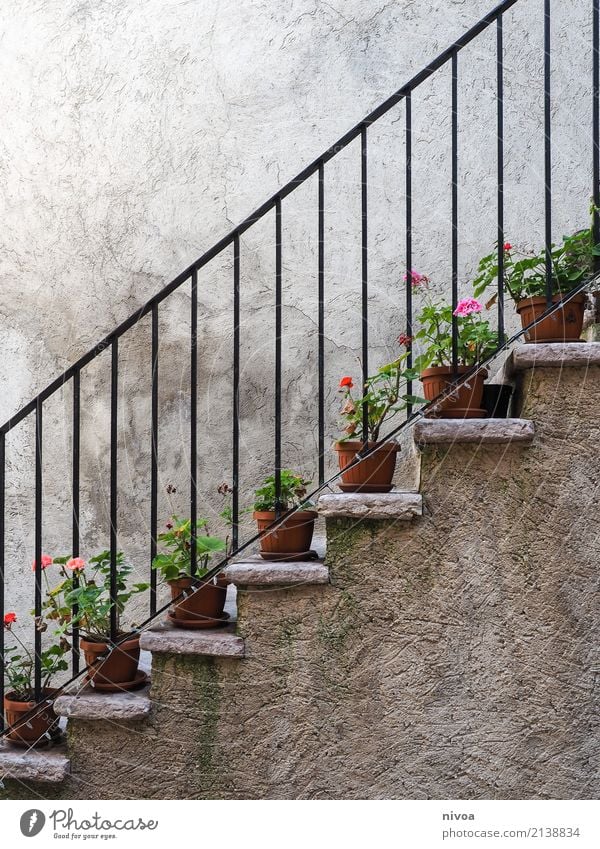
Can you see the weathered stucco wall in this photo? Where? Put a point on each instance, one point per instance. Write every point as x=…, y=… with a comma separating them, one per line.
x=454, y=657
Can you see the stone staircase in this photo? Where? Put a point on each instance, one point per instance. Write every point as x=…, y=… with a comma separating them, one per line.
x=444, y=647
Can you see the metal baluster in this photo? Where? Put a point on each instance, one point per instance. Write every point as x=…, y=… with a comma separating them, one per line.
x=321, y=320
x=500, y=130
x=454, y=211
x=75, y=474
x=235, y=501
x=365, y=280
x=154, y=463
x=278, y=357
x=114, y=613
x=194, y=423
x=409, y=304
x=2, y=534
x=38, y=552
x=596, y=126
x=548, y=153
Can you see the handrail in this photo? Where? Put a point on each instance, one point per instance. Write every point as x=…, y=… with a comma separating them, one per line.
x=307, y=172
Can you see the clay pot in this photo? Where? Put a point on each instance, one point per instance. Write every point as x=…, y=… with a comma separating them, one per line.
x=291, y=540
x=33, y=720
x=120, y=665
x=565, y=325
x=374, y=473
x=467, y=400
x=205, y=604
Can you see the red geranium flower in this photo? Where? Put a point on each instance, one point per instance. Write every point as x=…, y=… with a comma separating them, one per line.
x=9, y=619
x=346, y=382
x=404, y=339
x=507, y=246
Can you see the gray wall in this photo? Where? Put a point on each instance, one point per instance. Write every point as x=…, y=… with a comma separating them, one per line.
x=136, y=133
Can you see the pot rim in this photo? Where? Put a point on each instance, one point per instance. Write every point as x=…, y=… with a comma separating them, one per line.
x=357, y=444
x=99, y=647
x=541, y=299
x=190, y=582
x=437, y=370
x=270, y=515
x=48, y=698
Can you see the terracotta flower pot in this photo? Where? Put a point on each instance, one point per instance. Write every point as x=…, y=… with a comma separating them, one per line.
x=291, y=540
x=565, y=325
x=205, y=604
x=33, y=720
x=120, y=665
x=467, y=401
x=374, y=473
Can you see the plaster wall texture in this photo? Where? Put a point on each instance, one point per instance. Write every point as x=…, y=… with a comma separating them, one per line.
x=451, y=657
x=137, y=132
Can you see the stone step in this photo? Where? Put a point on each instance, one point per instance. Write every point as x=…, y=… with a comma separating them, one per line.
x=400, y=506
x=90, y=704
x=254, y=571
x=553, y=355
x=213, y=642
x=480, y=431
x=45, y=765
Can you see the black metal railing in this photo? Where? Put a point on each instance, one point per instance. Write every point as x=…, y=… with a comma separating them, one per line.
x=275, y=205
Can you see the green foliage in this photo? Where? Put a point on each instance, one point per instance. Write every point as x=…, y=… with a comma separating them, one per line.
x=19, y=671
x=476, y=339
x=572, y=262
x=384, y=399
x=292, y=494
x=89, y=590
x=175, y=562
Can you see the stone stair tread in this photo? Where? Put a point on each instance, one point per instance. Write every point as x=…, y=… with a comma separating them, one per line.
x=214, y=642
x=254, y=571
x=47, y=765
x=553, y=355
x=480, y=431
x=397, y=505
x=90, y=704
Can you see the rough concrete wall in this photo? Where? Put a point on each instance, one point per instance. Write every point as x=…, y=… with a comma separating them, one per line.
x=454, y=657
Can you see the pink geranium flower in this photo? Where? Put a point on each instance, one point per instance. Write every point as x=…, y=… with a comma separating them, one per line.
x=76, y=564
x=416, y=279
x=46, y=561
x=467, y=306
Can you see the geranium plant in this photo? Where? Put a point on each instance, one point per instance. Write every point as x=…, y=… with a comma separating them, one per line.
x=525, y=273
x=19, y=663
x=86, y=587
x=476, y=340
x=176, y=561
x=291, y=538
x=292, y=493
x=384, y=397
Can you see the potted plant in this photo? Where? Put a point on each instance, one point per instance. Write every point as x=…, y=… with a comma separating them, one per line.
x=31, y=722
x=476, y=340
x=384, y=399
x=292, y=539
x=85, y=588
x=202, y=606
x=525, y=279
